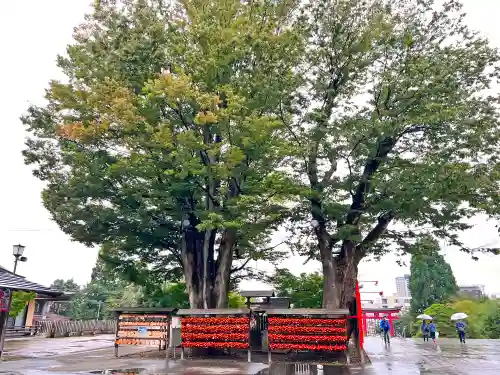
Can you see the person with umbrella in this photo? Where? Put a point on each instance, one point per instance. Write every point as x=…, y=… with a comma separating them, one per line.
x=460, y=325
x=425, y=326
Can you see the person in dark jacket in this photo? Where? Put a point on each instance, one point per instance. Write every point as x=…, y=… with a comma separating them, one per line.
x=352, y=327
x=460, y=326
x=425, y=330
x=385, y=326
x=432, y=330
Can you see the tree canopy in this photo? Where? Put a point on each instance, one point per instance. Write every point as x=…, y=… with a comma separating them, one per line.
x=65, y=285
x=187, y=133
x=304, y=291
x=431, y=278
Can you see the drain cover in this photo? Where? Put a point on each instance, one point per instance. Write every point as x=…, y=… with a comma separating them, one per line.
x=128, y=371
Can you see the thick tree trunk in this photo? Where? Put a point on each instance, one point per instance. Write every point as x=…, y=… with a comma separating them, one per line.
x=330, y=286
x=207, y=280
x=224, y=262
x=339, y=276
x=347, y=273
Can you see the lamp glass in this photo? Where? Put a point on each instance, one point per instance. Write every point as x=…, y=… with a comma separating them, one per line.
x=18, y=250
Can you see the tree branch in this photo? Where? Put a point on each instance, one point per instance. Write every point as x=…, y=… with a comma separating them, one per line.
x=372, y=236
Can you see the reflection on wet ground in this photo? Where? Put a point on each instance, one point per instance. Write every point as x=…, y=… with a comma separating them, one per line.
x=403, y=357
x=449, y=357
x=274, y=369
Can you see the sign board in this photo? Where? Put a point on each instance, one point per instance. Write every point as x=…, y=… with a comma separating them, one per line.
x=142, y=329
x=176, y=322
x=4, y=300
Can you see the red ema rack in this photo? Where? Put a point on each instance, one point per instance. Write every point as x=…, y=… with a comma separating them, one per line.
x=307, y=334
x=215, y=332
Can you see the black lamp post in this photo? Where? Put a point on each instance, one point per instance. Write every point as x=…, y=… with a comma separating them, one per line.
x=17, y=251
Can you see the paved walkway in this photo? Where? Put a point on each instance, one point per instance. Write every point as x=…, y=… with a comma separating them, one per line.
x=79, y=355
x=449, y=357
x=40, y=347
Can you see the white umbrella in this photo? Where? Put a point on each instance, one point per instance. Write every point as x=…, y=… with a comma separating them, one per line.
x=424, y=317
x=459, y=316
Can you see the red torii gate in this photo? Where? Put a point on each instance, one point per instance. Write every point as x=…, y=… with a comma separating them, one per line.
x=376, y=314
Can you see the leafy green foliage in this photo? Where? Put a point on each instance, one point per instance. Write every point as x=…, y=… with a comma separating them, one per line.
x=65, y=285
x=186, y=134
x=169, y=116
x=394, y=130
x=236, y=300
x=305, y=290
x=491, y=326
x=431, y=279
x=482, y=321
x=19, y=302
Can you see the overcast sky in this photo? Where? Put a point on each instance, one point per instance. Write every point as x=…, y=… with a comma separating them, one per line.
x=32, y=32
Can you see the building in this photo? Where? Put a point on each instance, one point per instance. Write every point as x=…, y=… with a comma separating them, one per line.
x=403, y=286
x=473, y=291
x=389, y=302
x=35, y=310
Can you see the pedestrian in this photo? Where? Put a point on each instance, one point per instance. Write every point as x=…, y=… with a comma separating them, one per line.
x=432, y=331
x=460, y=326
x=385, y=327
x=425, y=330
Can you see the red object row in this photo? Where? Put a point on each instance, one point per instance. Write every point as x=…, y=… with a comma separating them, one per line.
x=215, y=321
x=214, y=336
x=274, y=337
x=308, y=347
x=212, y=344
x=214, y=329
x=306, y=321
x=298, y=329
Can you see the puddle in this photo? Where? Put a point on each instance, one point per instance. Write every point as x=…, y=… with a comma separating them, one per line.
x=130, y=371
x=304, y=368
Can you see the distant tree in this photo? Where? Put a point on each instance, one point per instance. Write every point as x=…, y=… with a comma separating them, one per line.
x=431, y=279
x=236, y=300
x=65, y=285
x=19, y=302
x=491, y=326
x=305, y=290
x=168, y=295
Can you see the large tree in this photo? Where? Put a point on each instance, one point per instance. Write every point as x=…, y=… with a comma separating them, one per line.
x=431, y=278
x=395, y=130
x=164, y=144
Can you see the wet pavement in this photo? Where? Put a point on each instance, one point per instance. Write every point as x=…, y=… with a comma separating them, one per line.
x=449, y=357
x=94, y=355
x=40, y=347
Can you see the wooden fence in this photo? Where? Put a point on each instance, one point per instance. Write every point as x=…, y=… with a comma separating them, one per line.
x=63, y=328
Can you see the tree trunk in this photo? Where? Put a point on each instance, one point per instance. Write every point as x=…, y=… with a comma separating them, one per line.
x=339, y=276
x=224, y=262
x=347, y=273
x=330, y=285
x=207, y=280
